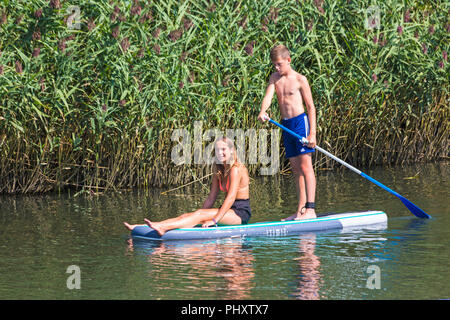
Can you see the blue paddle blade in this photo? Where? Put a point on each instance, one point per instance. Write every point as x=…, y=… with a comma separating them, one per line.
x=414, y=209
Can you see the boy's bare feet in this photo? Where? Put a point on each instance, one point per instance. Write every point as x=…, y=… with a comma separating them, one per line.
x=307, y=212
x=155, y=226
x=292, y=217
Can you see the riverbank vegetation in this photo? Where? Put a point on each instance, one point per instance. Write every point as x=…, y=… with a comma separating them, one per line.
x=91, y=91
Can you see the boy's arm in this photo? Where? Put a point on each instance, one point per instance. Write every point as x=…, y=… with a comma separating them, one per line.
x=305, y=90
x=267, y=100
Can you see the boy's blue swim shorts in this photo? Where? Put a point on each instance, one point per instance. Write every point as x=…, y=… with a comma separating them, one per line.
x=292, y=145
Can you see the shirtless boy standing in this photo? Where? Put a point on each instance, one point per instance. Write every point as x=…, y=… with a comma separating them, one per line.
x=292, y=89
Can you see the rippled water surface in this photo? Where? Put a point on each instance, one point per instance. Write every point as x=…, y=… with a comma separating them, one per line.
x=42, y=235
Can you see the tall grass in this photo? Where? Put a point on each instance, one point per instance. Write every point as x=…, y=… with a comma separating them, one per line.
x=95, y=107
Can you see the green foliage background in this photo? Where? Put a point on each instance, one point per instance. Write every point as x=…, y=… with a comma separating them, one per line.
x=95, y=106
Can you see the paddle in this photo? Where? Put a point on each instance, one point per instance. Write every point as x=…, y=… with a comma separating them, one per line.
x=411, y=206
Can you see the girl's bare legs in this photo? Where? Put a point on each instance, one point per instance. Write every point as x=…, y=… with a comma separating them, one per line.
x=167, y=221
x=191, y=219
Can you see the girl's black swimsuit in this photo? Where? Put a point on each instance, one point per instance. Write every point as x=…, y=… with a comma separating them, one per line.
x=242, y=208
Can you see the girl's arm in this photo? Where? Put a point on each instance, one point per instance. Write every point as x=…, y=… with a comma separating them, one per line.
x=209, y=202
x=235, y=177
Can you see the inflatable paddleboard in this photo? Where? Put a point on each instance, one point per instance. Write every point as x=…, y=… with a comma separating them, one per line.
x=271, y=229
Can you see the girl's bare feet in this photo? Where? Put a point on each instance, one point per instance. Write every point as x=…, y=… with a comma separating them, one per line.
x=155, y=226
x=129, y=226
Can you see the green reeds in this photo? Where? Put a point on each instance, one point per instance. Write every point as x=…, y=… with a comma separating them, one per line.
x=95, y=107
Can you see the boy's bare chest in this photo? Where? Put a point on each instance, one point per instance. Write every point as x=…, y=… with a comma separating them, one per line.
x=286, y=87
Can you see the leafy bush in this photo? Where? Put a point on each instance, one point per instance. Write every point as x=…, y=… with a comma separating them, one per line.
x=94, y=105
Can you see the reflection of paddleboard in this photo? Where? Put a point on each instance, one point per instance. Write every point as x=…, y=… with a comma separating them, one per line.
x=271, y=229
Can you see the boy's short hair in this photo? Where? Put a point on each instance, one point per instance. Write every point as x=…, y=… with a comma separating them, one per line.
x=279, y=51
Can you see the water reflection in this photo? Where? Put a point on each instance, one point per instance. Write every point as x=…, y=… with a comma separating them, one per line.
x=309, y=269
x=222, y=267
x=310, y=282
x=42, y=235
x=226, y=268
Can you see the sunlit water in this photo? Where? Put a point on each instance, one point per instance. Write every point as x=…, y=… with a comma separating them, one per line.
x=42, y=235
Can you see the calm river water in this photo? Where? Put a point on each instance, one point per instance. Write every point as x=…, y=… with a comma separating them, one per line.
x=42, y=236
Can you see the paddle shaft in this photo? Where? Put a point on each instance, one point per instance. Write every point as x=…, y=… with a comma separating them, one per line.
x=356, y=170
x=412, y=207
